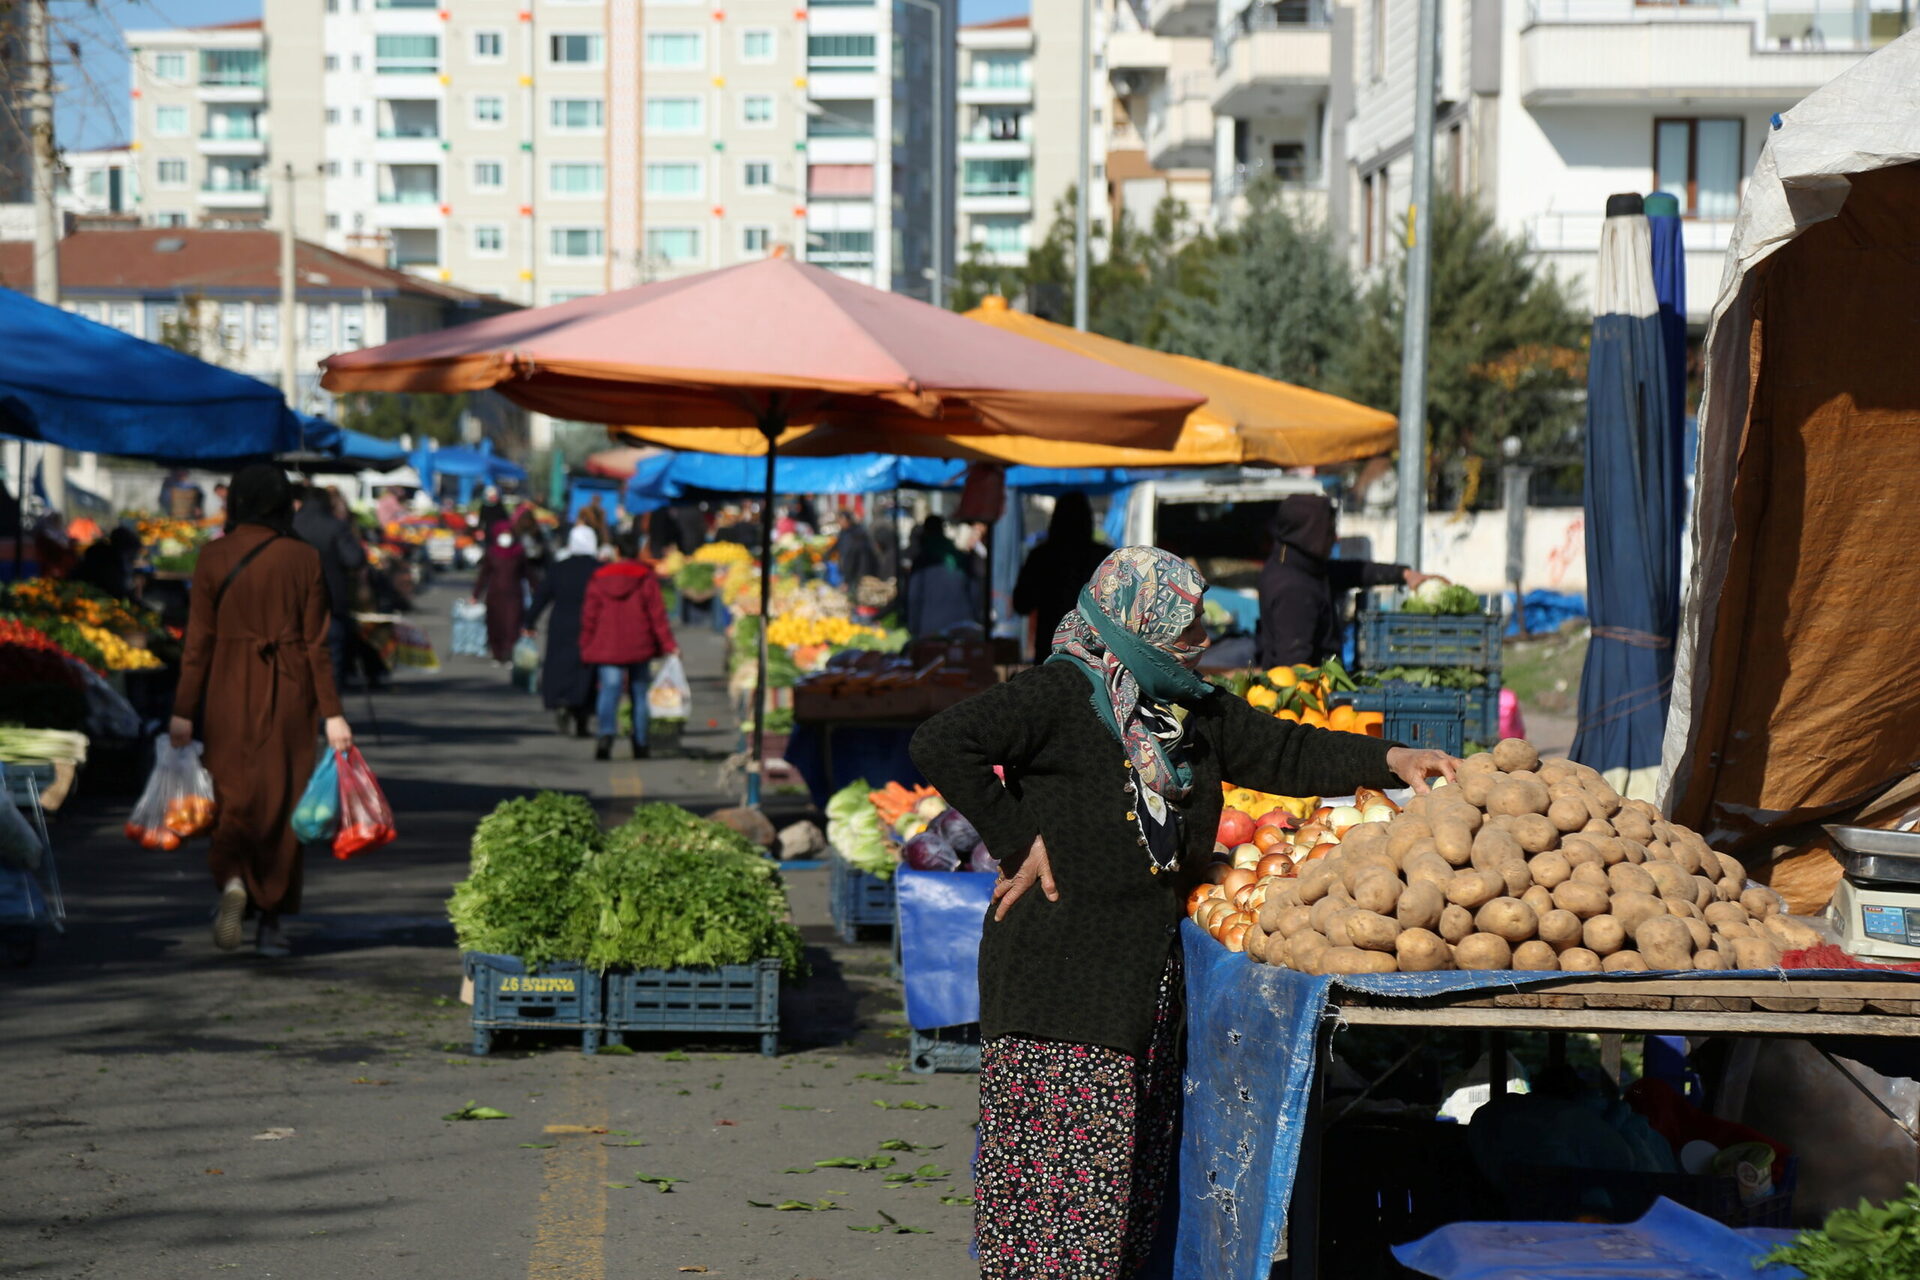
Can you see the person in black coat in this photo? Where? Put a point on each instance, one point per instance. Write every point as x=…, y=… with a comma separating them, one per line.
x=1302, y=585
x=342, y=558
x=1113, y=752
x=567, y=683
x=1049, y=583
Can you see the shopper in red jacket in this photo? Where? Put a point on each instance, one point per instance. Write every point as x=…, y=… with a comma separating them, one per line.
x=623, y=628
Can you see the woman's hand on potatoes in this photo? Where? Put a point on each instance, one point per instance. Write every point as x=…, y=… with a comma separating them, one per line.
x=1006, y=891
x=1414, y=766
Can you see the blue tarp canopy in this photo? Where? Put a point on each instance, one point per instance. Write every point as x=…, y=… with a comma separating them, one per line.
x=666, y=476
x=368, y=452
x=464, y=463
x=69, y=381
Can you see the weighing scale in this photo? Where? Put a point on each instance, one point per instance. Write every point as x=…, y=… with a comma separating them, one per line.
x=1876, y=906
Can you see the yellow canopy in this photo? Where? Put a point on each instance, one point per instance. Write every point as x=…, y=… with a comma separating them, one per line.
x=1246, y=419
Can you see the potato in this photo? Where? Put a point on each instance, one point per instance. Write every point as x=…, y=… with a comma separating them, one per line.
x=1268, y=916
x=1326, y=911
x=1627, y=878
x=1404, y=832
x=1577, y=849
x=1568, y=814
x=1705, y=891
x=1755, y=953
x=1306, y=950
x=1428, y=868
x=1687, y=858
x=1664, y=943
x=1535, y=833
x=1591, y=873
x=1368, y=837
x=1559, y=929
x=1644, y=808
x=1697, y=930
x=1354, y=960
x=1557, y=771
x=1378, y=891
x=1632, y=826
x=1279, y=951
x=1456, y=922
x=1453, y=841
x=1421, y=951
x=1293, y=922
x=1731, y=866
x=1603, y=935
x=1368, y=930
x=1507, y=918
x=1684, y=910
x=1598, y=827
x=1474, y=889
x=1724, y=913
x=1535, y=956
x=1515, y=876
x=1790, y=934
x=1513, y=754
x=1541, y=900
x=1735, y=930
x=1579, y=960
x=1729, y=889
x=1761, y=903
x=1631, y=908
x=1632, y=850
x=1423, y=847
x=1602, y=795
x=1583, y=900
x=1480, y=762
x=1354, y=865
x=1483, y=951
x=1254, y=942
x=1549, y=870
x=1450, y=806
x=1495, y=847
x=1708, y=958
x=1624, y=962
x=1315, y=881
x=1477, y=788
x=1516, y=796
x=1420, y=906
x=1670, y=880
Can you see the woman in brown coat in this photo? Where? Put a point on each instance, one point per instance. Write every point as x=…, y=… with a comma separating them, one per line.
x=258, y=675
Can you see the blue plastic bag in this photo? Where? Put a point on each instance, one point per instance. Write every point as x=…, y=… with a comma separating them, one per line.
x=317, y=816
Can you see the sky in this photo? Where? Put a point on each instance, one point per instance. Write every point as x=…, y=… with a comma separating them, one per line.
x=92, y=108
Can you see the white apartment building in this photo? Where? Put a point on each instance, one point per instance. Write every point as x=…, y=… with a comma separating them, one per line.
x=97, y=181
x=1161, y=140
x=544, y=150
x=996, y=148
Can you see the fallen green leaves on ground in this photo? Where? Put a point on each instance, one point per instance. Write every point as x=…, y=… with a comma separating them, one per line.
x=473, y=1111
x=656, y=1180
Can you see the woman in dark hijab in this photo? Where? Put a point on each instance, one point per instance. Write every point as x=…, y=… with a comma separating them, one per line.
x=502, y=586
x=257, y=675
x=1048, y=588
x=1301, y=582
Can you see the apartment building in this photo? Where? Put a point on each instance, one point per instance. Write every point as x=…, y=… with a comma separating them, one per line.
x=95, y=182
x=1161, y=140
x=544, y=150
x=996, y=148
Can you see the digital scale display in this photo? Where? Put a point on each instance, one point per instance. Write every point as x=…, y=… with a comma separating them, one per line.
x=1891, y=924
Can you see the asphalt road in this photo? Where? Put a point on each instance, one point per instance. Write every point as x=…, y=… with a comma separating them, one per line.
x=167, y=1110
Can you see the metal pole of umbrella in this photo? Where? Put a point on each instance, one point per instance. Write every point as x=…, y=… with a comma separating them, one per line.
x=772, y=423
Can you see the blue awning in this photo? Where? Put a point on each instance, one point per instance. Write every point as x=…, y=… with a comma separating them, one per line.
x=665, y=476
x=370, y=452
x=69, y=381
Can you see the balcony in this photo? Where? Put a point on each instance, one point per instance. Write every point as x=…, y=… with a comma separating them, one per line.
x=1570, y=242
x=234, y=189
x=1132, y=53
x=841, y=149
x=1180, y=17
x=1275, y=60
x=998, y=85
x=1616, y=52
x=1179, y=125
x=1301, y=187
x=983, y=147
x=230, y=142
x=996, y=197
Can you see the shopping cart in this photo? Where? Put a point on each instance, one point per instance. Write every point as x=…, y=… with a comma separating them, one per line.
x=30, y=897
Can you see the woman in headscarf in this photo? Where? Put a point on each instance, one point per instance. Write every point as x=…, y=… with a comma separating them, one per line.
x=502, y=587
x=258, y=676
x=1049, y=582
x=943, y=593
x=1113, y=752
x=1303, y=588
x=566, y=683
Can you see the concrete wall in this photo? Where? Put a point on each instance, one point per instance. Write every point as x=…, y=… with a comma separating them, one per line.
x=1472, y=549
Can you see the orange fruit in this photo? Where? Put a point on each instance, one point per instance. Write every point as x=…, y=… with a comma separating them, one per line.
x=1287, y=715
x=1371, y=723
x=1314, y=717
x=1342, y=718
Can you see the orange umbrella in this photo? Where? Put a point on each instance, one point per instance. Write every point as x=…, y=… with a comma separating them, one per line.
x=768, y=346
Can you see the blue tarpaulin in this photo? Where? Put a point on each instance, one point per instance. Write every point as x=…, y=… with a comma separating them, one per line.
x=370, y=452
x=666, y=476
x=1633, y=516
x=72, y=382
x=1543, y=611
x=941, y=916
x=1668, y=1243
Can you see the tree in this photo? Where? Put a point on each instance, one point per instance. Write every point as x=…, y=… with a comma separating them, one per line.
x=392, y=414
x=192, y=330
x=1506, y=351
x=1270, y=296
x=975, y=279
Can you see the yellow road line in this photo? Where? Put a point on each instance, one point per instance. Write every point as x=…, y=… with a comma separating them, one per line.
x=571, y=1233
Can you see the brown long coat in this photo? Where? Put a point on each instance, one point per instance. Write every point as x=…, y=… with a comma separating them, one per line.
x=264, y=668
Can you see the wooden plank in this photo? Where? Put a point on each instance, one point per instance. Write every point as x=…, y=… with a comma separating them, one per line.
x=1628, y=1000
x=1518, y=1000
x=1670, y=1021
x=1895, y=998
x=1841, y=1006
x=1786, y=1004
x=1562, y=1000
x=1712, y=1004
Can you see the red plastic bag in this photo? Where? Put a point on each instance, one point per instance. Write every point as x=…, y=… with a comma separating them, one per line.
x=366, y=820
x=177, y=803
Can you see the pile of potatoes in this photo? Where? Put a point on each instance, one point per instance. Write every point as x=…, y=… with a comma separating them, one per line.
x=1526, y=864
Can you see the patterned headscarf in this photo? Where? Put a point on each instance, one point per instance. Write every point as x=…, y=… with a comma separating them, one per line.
x=1125, y=637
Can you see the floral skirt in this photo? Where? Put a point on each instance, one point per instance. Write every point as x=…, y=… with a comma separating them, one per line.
x=1076, y=1142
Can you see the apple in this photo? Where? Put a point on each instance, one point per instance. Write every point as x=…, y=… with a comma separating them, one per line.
x=1235, y=827
x=1276, y=817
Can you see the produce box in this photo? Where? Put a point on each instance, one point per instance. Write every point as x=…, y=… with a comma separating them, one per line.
x=1427, y=640
x=550, y=997
x=860, y=899
x=944, y=1049
x=1483, y=712
x=1419, y=717
x=734, y=998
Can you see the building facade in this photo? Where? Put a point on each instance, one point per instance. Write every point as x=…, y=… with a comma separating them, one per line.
x=996, y=148
x=544, y=150
x=97, y=182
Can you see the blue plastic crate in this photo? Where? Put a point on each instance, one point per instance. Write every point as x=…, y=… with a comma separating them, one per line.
x=944, y=1049
x=1419, y=717
x=1483, y=712
x=733, y=998
x=860, y=900
x=507, y=996
x=1421, y=640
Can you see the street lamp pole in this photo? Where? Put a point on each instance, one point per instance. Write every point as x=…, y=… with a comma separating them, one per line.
x=1084, y=171
x=1413, y=358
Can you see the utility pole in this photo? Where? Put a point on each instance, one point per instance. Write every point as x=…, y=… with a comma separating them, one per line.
x=46, y=226
x=1413, y=359
x=289, y=336
x=1084, y=124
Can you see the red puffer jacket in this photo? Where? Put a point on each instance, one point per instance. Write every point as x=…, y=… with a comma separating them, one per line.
x=623, y=620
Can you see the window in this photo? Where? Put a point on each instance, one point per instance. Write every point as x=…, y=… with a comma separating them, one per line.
x=332, y=62
x=756, y=239
x=581, y=50
x=1002, y=235
x=170, y=122
x=557, y=296
x=843, y=53
x=1000, y=71
x=233, y=325
x=489, y=175
x=406, y=55
x=998, y=124
x=840, y=248
x=674, y=244
x=97, y=184
x=171, y=173
x=353, y=325
x=170, y=66
x=756, y=45
x=359, y=168
x=1699, y=163
x=333, y=168
x=489, y=46
x=120, y=316
x=669, y=179
x=996, y=178
x=671, y=50
x=489, y=110
x=266, y=326
x=233, y=68
x=333, y=115
x=489, y=240
x=577, y=115
x=756, y=175
x=319, y=327
x=577, y=178
x=756, y=109
x=674, y=115
x=577, y=242
x=170, y=218
x=333, y=222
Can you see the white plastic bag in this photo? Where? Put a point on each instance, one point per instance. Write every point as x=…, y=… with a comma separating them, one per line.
x=670, y=697
x=178, y=802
